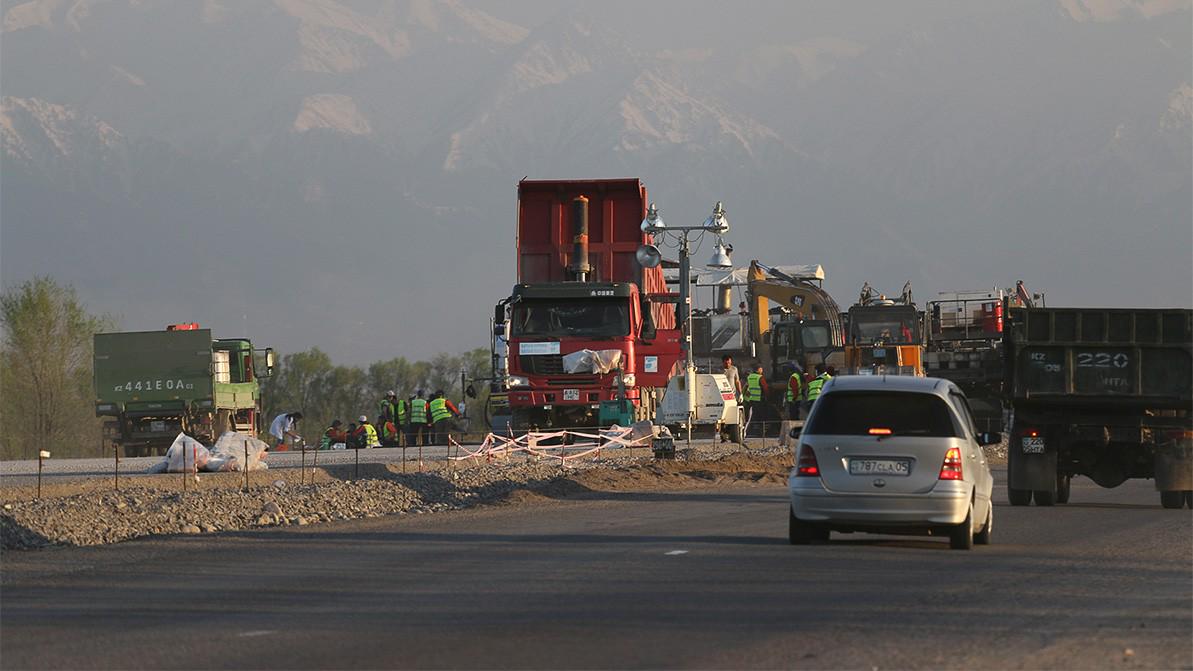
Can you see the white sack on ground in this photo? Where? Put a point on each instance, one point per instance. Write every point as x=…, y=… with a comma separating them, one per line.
x=185, y=450
x=229, y=451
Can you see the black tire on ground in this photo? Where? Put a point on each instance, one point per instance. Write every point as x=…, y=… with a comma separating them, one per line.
x=1064, y=487
x=983, y=537
x=820, y=534
x=1172, y=499
x=734, y=433
x=1044, y=497
x=798, y=531
x=1019, y=497
x=961, y=536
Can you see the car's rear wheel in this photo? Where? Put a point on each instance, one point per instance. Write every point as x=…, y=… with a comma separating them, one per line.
x=983, y=536
x=961, y=536
x=1173, y=499
x=1019, y=497
x=1064, y=487
x=799, y=532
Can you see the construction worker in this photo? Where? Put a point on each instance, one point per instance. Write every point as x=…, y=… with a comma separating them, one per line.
x=731, y=375
x=353, y=442
x=387, y=413
x=284, y=427
x=442, y=411
x=391, y=435
x=386, y=409
x=366, y=434
x=795, y=394
x=402, y=421
x=822, y=375
x=334, y=434
x=755, y=391
x=417, y=429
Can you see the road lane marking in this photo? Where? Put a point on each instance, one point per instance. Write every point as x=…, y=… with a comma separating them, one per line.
x=257, y=632
x=676, y=552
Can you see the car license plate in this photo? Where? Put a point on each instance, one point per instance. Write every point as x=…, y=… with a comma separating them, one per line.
x=1033, y=445
x=157, y=427
x=571, y=394
x=879, y=467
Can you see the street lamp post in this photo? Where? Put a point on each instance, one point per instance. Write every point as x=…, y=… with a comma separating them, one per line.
x=717, y=224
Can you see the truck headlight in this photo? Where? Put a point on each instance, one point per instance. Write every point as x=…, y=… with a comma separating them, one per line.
x=517, y=381
x=629, y=379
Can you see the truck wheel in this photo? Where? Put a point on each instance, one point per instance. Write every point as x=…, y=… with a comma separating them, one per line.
x=1064, y=487
x=1019, y=497
x=983, y=536
x=1172, y=499
x=799, y=532
x=961, y=536
x=1044, y=497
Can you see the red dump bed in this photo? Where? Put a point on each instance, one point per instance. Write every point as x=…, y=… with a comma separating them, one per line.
x=616, y=208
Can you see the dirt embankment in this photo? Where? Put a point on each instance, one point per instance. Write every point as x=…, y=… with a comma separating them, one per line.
x=91, y=512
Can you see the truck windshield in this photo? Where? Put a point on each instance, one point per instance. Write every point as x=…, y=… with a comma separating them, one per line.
x=886, y=326
x=584, y=317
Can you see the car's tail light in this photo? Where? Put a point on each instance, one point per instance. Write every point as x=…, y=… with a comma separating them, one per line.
x=805, y=465
x=951, y=468
x=879, y=431
x=1031, y=433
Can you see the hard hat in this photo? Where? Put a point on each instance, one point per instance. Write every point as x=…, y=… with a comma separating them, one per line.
x=390, y=393
x=362, y=418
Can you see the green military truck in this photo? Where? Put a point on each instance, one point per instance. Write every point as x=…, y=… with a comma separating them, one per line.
x=151, y=385
x=1104, y=393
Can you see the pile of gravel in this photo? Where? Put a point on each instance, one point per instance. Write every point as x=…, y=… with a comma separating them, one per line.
x=154, y=506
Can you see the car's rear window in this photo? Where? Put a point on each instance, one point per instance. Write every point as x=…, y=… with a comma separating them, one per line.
x=860, y=413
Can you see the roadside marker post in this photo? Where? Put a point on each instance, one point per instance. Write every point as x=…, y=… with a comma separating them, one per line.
x=184, y=469
x=116, y=451
x=41, y=456
x=302, y=469
x=245, y=465
x=356, y=470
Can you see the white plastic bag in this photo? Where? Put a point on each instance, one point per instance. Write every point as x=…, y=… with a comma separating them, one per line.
x=591, y=361
x=228, y=454
x=188, y=451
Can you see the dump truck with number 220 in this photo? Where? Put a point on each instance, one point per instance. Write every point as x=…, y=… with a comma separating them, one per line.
x=152, y=385
x=1104, y=393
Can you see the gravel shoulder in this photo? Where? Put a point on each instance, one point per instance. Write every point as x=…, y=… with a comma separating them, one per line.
x=89, y=511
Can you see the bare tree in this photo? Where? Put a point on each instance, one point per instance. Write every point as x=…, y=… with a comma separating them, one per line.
x=46, y=395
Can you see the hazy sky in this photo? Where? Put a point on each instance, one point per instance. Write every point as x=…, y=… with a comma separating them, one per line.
x=342, y=175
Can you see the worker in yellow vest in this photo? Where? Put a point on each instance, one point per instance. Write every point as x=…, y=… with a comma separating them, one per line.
x=402, y=419
x=795, y=394
x=442, y=411
x=755, y=393
x=823, y=375
x=366, y=434
x=417, y=432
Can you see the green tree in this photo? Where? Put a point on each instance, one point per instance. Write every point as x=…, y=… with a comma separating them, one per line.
x=46, y=390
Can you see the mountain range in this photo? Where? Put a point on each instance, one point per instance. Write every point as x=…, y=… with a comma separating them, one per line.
x=341, y=174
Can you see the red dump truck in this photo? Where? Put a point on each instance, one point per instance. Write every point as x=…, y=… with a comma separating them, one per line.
x=591, y=334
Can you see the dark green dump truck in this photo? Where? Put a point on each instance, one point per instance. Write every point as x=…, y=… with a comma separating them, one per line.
x=1104, y=393
x=151, y=385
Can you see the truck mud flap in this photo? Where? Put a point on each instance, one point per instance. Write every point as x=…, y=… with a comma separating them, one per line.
x=1174, y=466
x=1031, y=471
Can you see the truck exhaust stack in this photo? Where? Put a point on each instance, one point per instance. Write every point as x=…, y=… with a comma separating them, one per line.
x=579, y=267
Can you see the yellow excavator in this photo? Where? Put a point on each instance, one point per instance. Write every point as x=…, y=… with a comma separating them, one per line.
x=807, y=329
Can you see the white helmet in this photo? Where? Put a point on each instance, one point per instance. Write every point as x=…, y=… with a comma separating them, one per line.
x=390, y=393
x=362, y=418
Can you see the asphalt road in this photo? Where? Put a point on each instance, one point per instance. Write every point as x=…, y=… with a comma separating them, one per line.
x=701, y=579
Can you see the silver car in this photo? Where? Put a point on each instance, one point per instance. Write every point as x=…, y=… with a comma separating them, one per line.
x=891, y=454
